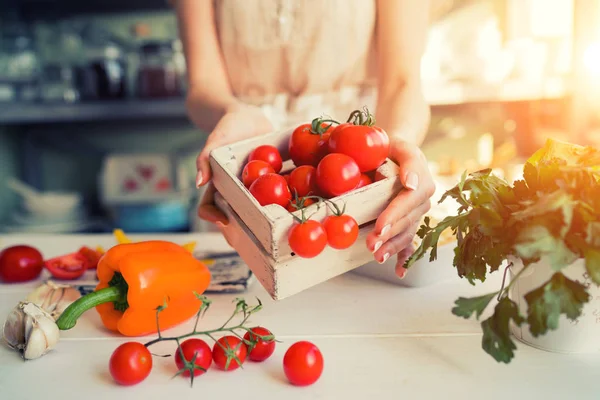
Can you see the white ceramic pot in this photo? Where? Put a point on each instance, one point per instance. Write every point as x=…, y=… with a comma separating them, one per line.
x=580, y=336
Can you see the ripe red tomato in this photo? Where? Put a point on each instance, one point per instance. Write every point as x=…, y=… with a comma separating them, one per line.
x=303, y=363
x=365, y=180
x=130, y=363
x=271, y=189
x=307, y=147
x=337, y=174
x=307, y=239
x=262, y=349
x=268, y=154
x=302, y=181
x=69, y=266
x=20, y=264
x=254, y=169
x=229, y=347
x=194, y=348
x=367, y=145
x=287, y=178
x=341, y=230
x=92, y=256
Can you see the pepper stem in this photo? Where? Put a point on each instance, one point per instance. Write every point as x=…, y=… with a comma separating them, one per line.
x=116, y=293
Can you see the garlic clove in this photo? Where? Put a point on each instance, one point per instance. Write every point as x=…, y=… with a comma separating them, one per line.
x=30, y=330
x=54, y=298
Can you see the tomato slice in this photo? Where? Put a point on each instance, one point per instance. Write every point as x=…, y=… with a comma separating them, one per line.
x=93, y=256
x=69, y=266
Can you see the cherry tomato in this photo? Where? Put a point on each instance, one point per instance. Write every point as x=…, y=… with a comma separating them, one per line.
x=287, y=178
x=307, y=147
x=367, y=145
x=365, y=180
x=303, y=363
x=69, y=266
x=341, y=230
x=20, y=264
x=268, y=154
x=271, y=189
x=302, y=181
x=299, y=204
x=232, y=346
x=194, y=348
x=307, y=239
x=337, y=174
x=262, y=349
x=130, y=363
x=253, y=170
x=92, y=256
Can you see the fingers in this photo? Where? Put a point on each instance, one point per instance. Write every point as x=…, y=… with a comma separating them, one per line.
x=402, y=257
x=396, y=244
x=202, y=162
x=207, y=209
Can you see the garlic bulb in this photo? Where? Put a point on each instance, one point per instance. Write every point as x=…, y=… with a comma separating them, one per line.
x=30, y=330
x=54, y=298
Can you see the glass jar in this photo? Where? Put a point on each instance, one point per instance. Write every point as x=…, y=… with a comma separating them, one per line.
x=103, y=75
x=159, y=73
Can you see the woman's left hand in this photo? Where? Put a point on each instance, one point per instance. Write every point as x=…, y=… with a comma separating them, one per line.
x=397, y=225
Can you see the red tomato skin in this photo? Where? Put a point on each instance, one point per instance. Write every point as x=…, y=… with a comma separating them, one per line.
x=302, y=181
x=193, y=347
x=271, y=189
x=68, y=266
x=20, y=263
x=308, y=239
x=342, y=231
x=303, y=363
x=269, y=154
x=365, y=180
x=307, y=148
x=93, y=256
x=254, y=169
x=287, y=178
x=235, y=344
x=369, y=146
x=337, y=174
x=130, y=363
x=262, y=350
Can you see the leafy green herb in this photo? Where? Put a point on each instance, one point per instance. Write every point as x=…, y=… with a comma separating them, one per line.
x=551, y=215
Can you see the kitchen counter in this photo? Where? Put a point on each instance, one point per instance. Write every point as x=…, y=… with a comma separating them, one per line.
x=378, y=340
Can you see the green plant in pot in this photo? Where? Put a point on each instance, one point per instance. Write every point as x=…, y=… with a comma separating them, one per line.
x=551, y=216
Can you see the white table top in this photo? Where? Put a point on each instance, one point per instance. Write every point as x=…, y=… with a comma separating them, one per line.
x=378, y=340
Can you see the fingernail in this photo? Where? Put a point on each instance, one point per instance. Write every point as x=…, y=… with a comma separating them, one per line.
x=385, y=230
x=199, y=179
x=401, y=273
x=385, y=258
x=377, y=246
x=219, y=224
x=412, y=180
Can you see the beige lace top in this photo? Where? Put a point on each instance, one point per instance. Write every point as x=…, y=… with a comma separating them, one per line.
x=299, y=59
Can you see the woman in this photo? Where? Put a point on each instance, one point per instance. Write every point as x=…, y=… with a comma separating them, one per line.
x=258, y=65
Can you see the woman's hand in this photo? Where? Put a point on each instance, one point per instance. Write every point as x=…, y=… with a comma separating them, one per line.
x=241, y=121
x=397, y=225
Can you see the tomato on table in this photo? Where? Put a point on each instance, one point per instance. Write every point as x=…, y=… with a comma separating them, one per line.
x=20, y=263
x=303, y=363
x=130, y=363
x=268, y=154
x=309, y=142
x=194, y=348
x=68, y=266
x=302, y=181
x=337, y=174
x=253, y=170
x=307, y=239
x=92, y=256
x=271, y=189
x=261, y=349
x=226, y=350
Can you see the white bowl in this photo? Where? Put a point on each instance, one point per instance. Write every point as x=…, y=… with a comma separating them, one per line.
x=52, y=203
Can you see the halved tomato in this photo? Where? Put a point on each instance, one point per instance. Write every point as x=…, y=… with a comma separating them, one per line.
x=69, y=266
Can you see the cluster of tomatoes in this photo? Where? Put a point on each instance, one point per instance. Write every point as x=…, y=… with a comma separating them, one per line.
x=329, y=159
x=131, y=362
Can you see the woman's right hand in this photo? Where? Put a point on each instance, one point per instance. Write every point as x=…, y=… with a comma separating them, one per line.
x=241, y=121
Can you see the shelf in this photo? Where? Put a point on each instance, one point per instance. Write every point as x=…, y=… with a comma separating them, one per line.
x=35, y=113
x=49, y=9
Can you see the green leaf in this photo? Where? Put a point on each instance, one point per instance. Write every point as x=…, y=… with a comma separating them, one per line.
x=592, y=264
x=536, y=242
x=559, y=295
x=466, y=307
x=496, y=339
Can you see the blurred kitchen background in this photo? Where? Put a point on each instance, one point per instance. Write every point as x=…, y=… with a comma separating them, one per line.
x=92, y=103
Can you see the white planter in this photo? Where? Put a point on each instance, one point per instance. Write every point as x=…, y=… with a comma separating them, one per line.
x=581, y=336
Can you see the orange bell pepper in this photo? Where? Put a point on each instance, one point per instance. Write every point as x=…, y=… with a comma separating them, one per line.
x=134, y=280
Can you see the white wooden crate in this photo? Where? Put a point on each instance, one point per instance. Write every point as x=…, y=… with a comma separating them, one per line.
x=265, y=247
